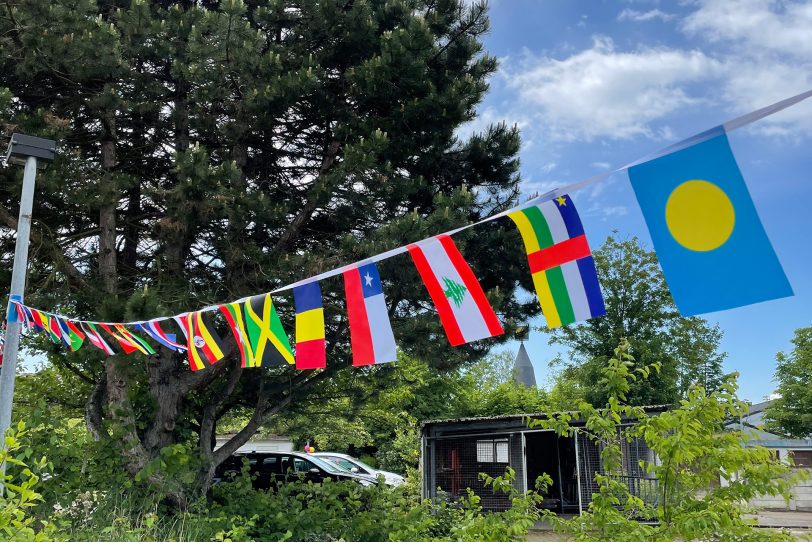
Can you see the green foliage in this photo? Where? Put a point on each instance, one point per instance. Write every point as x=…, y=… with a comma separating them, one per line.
x=20, y=496
x=213, y=150
x=791, y=414
x=693, y=452
x=639, y=309
x=347, y=511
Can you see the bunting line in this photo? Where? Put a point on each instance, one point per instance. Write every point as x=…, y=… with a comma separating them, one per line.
x=726, y=127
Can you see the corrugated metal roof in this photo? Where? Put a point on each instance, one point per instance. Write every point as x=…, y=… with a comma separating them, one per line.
x=649, y=408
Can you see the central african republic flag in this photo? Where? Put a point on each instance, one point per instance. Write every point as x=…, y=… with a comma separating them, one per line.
x=560, y=261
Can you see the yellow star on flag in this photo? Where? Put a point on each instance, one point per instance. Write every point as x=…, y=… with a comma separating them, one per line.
x=562, y=201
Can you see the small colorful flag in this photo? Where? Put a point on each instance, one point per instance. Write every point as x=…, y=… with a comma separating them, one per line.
x=128, y=340
x=31, y=320
x=464, y=310
x=258, y=332
x=72, y=336
x=561, y=262
x=154, y=330
x=370, y=330
x=311, y=349
x=204, y=345
x=18, y=308
x=40, y=320
x=96, y=338
x=707, y=234
x=54, y=330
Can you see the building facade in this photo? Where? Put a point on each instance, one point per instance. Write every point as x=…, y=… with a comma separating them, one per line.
x=455, y=452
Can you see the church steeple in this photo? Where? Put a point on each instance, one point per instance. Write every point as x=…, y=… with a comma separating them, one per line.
x=522, y=369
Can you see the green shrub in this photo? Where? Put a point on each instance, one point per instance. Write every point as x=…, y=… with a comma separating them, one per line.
x=20, y=495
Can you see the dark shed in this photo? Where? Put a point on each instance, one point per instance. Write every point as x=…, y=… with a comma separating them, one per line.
x=454, y=452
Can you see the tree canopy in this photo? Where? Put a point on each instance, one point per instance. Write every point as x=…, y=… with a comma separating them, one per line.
x=791, y=413
x=639, y=308
x=211, y=150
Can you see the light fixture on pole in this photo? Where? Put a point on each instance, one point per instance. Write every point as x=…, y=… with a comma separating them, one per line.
x=33, y=153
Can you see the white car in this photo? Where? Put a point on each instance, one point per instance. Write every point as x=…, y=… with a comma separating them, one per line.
x=357, y=466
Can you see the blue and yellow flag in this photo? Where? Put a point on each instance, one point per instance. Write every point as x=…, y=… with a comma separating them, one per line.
x=707, y=234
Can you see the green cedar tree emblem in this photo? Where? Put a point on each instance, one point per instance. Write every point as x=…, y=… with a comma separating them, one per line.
x=454, y=291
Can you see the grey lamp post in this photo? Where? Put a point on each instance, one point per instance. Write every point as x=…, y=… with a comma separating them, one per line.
x=33, y=153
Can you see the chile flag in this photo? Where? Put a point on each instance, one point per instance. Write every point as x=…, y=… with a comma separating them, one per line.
x=370, y=330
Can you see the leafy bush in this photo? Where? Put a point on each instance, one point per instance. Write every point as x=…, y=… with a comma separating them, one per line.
x=692, y=449
x=20, y=495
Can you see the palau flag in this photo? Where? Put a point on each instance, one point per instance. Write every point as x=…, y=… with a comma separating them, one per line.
x=707, y=235
x=370, y=330
x=561, y=262
x=311, y=349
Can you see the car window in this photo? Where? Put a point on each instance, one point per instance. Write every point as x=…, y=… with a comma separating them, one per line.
x=326, y=465
x=363, y=466
x=269, y=465
x=341, y=462
x=302, y=465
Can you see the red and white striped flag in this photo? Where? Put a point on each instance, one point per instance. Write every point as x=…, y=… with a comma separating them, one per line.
x=464, y=310
x=96, y=338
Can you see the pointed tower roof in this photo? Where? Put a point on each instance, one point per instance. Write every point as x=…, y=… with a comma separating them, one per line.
x=522, y=369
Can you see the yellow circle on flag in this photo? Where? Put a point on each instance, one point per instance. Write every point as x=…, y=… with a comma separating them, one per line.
x=699, y=215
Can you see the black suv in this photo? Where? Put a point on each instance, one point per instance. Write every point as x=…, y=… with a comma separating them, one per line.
x=269, y=469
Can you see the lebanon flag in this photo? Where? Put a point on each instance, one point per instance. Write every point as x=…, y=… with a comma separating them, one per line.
x=464, y=310
x=370, y=331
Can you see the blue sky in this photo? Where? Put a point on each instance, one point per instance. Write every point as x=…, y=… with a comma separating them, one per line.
x=595, y=84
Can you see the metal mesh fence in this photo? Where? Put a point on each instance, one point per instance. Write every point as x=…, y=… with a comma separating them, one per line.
x=459, y=461
x=634, y=451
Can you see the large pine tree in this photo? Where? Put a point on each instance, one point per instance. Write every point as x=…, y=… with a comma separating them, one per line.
x=214, y=149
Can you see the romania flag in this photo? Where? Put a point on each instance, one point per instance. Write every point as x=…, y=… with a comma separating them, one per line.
x=311, y=349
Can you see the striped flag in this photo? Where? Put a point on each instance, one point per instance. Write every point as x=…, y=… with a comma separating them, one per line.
x=464, y=310
x=31, y=320
x=560, y=261
x=128, y=341
x=370, y=330
x=53, y=327
x=40, y=320
x=96, y=338
x=258, y=331
x=72, y=336
x=204, y=345
x=154, y=330
x=311, y=349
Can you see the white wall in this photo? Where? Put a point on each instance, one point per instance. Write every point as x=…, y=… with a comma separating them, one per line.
x=268, y=444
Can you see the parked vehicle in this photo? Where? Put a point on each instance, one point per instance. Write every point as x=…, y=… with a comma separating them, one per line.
x=270, y=469
x=357, y=466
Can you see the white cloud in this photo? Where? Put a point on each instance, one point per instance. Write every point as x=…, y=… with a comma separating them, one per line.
x=601, y=92
x=784, y=27
x=644, y=16
x=767, y=46
x=756, y=52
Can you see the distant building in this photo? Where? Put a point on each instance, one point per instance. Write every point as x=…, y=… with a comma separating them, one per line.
x=267, y=443
x=523, y=372
x=800, y=450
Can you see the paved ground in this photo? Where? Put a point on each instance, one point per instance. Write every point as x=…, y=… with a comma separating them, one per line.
x=769, y=518
x=799, y=523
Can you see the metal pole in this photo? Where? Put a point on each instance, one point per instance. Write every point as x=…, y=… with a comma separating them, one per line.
x=9, y=368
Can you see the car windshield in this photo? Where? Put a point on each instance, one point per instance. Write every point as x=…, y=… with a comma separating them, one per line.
x=348, y=463
x=326, y=465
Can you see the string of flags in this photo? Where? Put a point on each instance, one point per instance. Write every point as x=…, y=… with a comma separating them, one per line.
x=695, y=203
